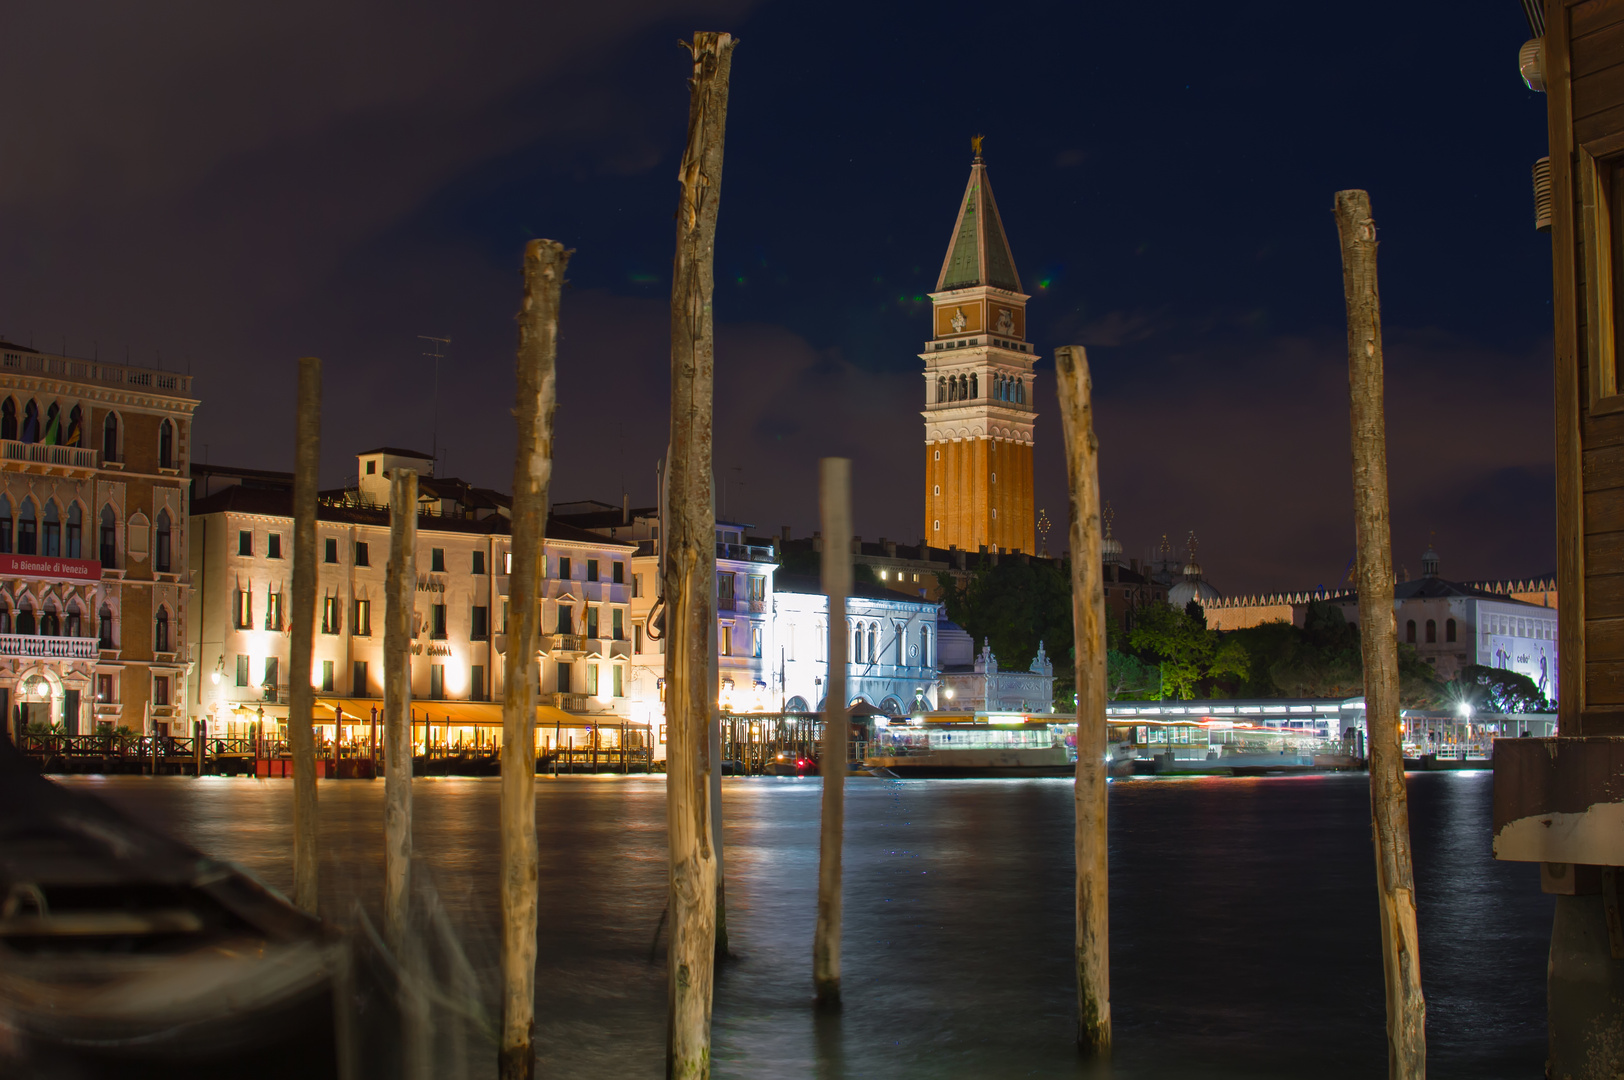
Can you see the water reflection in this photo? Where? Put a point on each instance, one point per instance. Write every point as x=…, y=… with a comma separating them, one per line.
x=1243, y=920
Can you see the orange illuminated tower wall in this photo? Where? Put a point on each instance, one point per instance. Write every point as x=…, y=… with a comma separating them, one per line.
x=978, y=389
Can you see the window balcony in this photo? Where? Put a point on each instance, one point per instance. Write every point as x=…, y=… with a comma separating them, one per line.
x=40, y=458
x=39, y=647
x=575, y=703
x=565, y=643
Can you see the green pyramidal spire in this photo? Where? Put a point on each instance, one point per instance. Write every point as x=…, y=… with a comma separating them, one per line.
x=979, y=254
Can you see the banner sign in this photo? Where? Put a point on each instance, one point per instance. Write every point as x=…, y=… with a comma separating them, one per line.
x=49, y=567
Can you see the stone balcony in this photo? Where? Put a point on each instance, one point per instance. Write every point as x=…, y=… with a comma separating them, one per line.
x=40, y=458
x=39, y=647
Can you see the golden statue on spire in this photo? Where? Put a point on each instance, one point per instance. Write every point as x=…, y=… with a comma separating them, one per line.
x=975, y=145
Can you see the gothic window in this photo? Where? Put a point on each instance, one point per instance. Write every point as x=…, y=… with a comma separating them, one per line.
x=110, y=438
x=73, y=548
x=25, y=617
x=160, y=631
x=975, y=390
x=160, y=552
x=104, y=628
x=8, y=418
x=1020, y=391
x=72, y=627
x=941, y=390
x=5, y=620
x=76, y=423
x=49, y=624
x=26, y=526
x=53, y=424
x=31, y=422
x=52, y=532
x=5, y=525
x=166, y=445
x=109, y=537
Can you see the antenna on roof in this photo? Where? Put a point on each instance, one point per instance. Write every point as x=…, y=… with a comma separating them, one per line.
x=437, y=355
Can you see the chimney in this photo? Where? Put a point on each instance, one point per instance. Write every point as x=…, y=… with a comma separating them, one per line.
x=625, y=508
x=890, y=547
x=1133, y=564
x=783, y=533
x=817, y=540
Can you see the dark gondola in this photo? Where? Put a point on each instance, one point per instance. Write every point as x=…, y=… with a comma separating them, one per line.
x=125, y=953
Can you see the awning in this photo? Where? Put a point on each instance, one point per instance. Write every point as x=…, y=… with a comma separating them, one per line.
x=459, y=713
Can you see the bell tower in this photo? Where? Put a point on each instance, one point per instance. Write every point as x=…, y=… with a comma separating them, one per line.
x=978, y=387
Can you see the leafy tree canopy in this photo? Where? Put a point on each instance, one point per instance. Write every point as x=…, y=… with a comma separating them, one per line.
x=1013, y=606
x=1495, y=690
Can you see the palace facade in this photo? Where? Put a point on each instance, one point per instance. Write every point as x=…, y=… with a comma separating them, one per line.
x=93, y=536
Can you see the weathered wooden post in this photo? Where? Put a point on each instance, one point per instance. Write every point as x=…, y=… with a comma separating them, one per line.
x=1076, y=390
x=400, y=586
x=834, y=495
x=301, y=691
x=690, y=571
x=544, y=265
x=1378, y=633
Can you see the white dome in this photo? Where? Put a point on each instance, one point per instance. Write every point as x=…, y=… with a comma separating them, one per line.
x=1181, y=594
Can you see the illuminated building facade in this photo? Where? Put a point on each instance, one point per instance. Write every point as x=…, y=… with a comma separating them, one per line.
x=93, y=534
x=243, y=571
x=978, y=414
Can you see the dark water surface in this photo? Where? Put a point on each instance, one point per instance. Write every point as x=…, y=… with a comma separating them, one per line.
x=1243, y=919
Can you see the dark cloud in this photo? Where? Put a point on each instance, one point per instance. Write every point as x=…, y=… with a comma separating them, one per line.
x=226, y=189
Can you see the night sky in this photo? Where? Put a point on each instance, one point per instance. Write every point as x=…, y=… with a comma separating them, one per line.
x=223, y=191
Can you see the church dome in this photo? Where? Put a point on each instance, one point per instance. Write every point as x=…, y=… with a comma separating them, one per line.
x=1189, y=589
x=1111, y=550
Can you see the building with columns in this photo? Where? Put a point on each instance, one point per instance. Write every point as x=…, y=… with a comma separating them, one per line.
x=978, y=388
x=93, y=535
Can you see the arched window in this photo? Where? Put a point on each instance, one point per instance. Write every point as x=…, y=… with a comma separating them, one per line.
x=160, y=549
x=160, y=630
x=941, y=388
x=31, y=422
x=53, y=424
x=73, y=624
x=49, y=624
x=964, y=388
x=924, y=646
x=109, y=537
x=76, y=424
x=5, y=620
x=975, y=388
x=27, y=538
x=1449, y=630
x=1020, y=391
x=104, y=628
x=5, y=525
x=25, y=617
x=857, y=645
x=1409, y=632
x=166, y=445
x=795, y=704
x=73, y=548
x=1432, y=631
x=873, y=643
x=52, y=533
x=8, y=418
x=110, y=438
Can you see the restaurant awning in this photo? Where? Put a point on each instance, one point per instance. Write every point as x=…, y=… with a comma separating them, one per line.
x=457, y=713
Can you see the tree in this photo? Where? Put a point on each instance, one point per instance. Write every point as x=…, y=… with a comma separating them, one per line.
x=1190, y=654
x=1129, y=678
x=1014, y=606
x=1495, y=690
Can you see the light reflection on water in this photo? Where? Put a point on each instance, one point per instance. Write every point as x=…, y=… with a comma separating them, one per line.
x=1243, y=933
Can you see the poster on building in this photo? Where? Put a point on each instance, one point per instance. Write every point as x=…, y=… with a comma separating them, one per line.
x=1533, y=657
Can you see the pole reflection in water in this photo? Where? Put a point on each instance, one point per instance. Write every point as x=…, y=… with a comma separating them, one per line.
x=1242, y=943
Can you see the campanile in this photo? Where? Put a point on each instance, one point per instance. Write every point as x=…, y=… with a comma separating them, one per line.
x=978, y=387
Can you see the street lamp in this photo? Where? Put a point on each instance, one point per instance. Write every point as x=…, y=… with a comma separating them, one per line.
x=214, y=676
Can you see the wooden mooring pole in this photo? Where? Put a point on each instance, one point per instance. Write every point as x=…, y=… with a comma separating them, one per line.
x=1378, y=634
x=544, y=265
x=834, y=495
x=400, y=588
x=690, y=572
x=1093, y=953
x=301, y=691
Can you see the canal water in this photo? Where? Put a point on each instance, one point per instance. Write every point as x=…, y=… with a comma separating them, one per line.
x=1243, y=919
